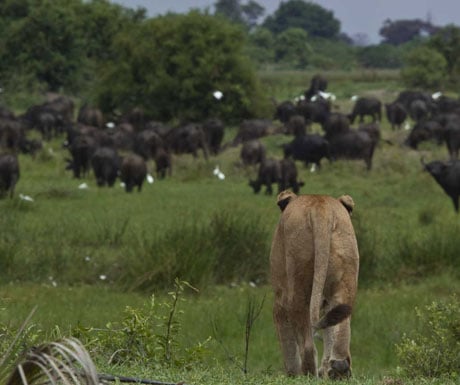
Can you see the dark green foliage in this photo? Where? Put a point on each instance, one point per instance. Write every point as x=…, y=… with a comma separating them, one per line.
x=171, y=66
x=50, y=46
x=447, y=42
x=291, y=46
x=60, y=41
x=402, y=31
x=147, y=335
x=311, y=17
x=425, y=68
x=380, y=56
x=434, y=349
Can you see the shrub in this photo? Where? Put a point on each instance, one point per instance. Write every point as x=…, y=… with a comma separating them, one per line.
x=434, y=350
x=425, y=68
x=145, y=336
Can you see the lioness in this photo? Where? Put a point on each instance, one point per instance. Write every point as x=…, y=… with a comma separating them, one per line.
x=314, y=273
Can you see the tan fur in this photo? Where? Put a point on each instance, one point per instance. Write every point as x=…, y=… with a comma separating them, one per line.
x=314, y=273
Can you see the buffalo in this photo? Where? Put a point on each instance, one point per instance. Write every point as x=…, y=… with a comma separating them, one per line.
x=106, y=164
x=163, y=163
x=288, y=177
x=367, y=106
x=424, y=131
x=269, y=173
x=354, y=144
x=188, y=138
x=252, y=152
x=282, y=172
x=133, y=171
x=252, y=129
x=314, y=111
x=81, y=149
x=284, y=111
x=214, y=131
x=396, y=114
x=90, y=116
x=317, y=83
x=9, y=174
x=310, y=148
x=447, y=175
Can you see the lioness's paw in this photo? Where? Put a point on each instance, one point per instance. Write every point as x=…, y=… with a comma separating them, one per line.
x=339, y=370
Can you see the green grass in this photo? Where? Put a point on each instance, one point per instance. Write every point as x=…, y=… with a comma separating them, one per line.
x=216, y=234
x=381, y=317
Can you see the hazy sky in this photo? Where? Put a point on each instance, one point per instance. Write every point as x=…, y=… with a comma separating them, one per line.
x=356, y=16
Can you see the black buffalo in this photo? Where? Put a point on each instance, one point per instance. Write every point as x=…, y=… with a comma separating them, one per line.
x=317, y=83
x=106, y=164
x=425, y=130
x=396, y=114
x=163, y=163
x=90, y=116
x=252, y=129
x=337, y=123
x=269, y=173
x=447, y=174
x=214, y=131
x=282, y=172
x=147, y=142
x=188, y=139
x=288, y=177
x=133, y=171
x=81, y=149
x=9, y=174
x=284, y=111
x=296, y=126
x=310, y=148
x=452, y=138
x=418, y=110
x=354, y=144
x=314, y=111
x=367, y=106
x=252, y=152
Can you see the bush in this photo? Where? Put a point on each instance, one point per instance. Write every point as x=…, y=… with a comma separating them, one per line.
x=146, y=336
x=425, y=68
x=434, y=350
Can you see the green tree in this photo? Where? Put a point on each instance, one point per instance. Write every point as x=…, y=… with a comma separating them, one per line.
x=292, y=47
x=230, y=9
x=311, y=17
x=380, y=56
x=261, y=43
x=51, y=45
x=425, y=68
x=171, y=65
x=252, y=12
x=447, y=42
x=402, y=31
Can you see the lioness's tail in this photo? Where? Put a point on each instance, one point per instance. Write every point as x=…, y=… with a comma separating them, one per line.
x=322, y=224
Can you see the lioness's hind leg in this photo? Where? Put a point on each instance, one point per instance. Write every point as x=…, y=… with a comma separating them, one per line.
x=340, y=358
x=287, y=340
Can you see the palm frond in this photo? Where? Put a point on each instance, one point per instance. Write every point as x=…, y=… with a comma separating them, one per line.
x=64, y=362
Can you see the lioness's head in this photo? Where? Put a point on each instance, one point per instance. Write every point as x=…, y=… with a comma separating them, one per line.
x=284, y=197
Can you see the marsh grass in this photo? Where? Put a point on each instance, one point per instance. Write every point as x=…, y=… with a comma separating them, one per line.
x=83, y=255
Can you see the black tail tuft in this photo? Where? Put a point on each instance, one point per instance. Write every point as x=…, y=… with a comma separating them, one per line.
x=334, y=316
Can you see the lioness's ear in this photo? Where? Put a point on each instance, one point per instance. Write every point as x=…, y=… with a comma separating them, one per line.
x=347, y=202
x=284, y=197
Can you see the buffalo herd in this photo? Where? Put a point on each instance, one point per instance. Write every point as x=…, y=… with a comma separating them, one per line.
x=122, y=146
